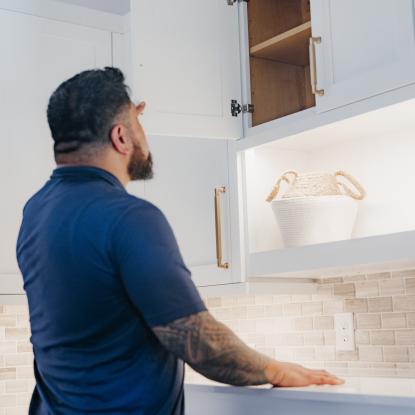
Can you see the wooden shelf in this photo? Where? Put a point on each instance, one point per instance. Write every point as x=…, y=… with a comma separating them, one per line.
x=290, y=47
x=355, y=255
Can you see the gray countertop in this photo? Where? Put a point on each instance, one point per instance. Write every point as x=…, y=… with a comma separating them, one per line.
x=380, y=396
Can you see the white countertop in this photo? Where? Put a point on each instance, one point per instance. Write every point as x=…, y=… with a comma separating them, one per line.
x=398, y=387
x=369, y=387
x=358, y=396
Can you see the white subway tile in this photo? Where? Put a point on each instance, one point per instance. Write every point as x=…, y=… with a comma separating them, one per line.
x=404, y=303
x=24, y=372
x=304, y=353
x=403, y=273
x=293, y=309
x=353, y=278
x=214, y=302
x=356, y=305
x=382, y=337
x=7, y=373
x=311, y=308
x=391, y=287
x=378, y=276
x=411, y=320
x=366, y=289
x=14, y=386
x=325, y=353
x=330, y=338
x=368, y=321
x=16, y=333
x=255, y=311
x=323, y=322
x=362, y=337
x=303, y=323
x=333, y=307
x=265, y=326
x=410, y=285
x=264, y=299
x=273, y=310
x=7, y=400
x=345, y=290
x=246, y=300
x=370, y=353
x=393, y=320
x=229, y=301
x=314, y=338
x=395, y=354
x=20, y=359
x=293, y=339
x=380, y=304
x=405, y=337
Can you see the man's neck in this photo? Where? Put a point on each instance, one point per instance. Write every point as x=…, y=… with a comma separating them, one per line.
x=102, y=164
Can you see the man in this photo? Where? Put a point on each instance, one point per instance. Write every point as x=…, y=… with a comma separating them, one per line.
x=113, y=310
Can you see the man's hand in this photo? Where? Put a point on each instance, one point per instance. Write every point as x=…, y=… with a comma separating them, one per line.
x=290, y=374
x=213, y=350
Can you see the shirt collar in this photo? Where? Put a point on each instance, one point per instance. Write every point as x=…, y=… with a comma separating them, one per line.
x=86, y=172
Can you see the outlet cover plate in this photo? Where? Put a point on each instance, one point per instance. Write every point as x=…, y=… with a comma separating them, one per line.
x=343, y=325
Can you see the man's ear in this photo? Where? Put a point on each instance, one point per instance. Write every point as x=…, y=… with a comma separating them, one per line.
x=119, y=139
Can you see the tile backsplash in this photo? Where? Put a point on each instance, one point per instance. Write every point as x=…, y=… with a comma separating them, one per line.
x=298, y=328
x=16, y=360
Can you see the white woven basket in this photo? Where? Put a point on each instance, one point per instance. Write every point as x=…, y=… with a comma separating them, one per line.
x=315, y=219
x=317, y=207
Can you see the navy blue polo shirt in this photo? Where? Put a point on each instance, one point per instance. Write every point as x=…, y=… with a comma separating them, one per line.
x=100, y=268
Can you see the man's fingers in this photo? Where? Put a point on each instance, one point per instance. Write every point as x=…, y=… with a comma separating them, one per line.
x=323, y=379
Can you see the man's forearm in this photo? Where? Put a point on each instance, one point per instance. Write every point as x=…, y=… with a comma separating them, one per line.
x=213, y=350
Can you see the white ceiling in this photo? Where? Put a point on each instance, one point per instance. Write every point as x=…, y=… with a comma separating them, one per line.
x=111, y=6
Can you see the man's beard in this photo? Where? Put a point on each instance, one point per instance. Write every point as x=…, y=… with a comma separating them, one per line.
x=138, y=167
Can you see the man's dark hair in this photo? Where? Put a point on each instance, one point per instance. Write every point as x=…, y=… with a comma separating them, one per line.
x=82, y=109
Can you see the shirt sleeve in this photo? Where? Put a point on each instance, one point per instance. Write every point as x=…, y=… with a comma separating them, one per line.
x=151, y=266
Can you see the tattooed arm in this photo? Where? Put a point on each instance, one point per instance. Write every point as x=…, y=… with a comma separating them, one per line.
x=213, y=350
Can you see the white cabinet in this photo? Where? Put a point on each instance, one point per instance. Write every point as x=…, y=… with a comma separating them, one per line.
x=189, y=62
x=187, y=172
x=186, y=66
x=367, y=48
x=36, y=56
x=304, y=57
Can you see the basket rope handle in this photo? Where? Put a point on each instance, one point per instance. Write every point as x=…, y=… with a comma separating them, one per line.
x=275, y=190
x=361, y=191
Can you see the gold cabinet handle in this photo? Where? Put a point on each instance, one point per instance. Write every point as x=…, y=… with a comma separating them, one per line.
x=313, y=66
x=218, y=226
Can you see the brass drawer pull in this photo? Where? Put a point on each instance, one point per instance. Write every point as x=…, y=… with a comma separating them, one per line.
x=313, y=66
x=218, y=226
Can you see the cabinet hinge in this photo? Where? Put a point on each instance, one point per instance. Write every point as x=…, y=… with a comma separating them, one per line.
x=232, y=2
x=237, y=108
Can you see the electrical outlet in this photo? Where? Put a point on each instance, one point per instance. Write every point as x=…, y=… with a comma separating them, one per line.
x=343, y=324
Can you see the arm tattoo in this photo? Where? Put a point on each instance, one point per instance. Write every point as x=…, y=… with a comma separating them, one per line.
x=213, y=350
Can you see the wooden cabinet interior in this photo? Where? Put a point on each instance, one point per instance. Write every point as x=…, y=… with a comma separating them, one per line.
x=279, y=32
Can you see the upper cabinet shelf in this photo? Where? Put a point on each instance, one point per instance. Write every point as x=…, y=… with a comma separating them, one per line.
x=290, y=47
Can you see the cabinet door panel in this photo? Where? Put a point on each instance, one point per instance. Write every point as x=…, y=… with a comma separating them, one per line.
x=37, y=55
x=187, y=170
x=367, y=48
x=186, y=66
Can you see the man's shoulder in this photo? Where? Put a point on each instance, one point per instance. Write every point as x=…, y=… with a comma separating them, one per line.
x=131, y=202
x=132, y=209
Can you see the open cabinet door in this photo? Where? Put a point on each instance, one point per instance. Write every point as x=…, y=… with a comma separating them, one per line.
x=186, y=66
